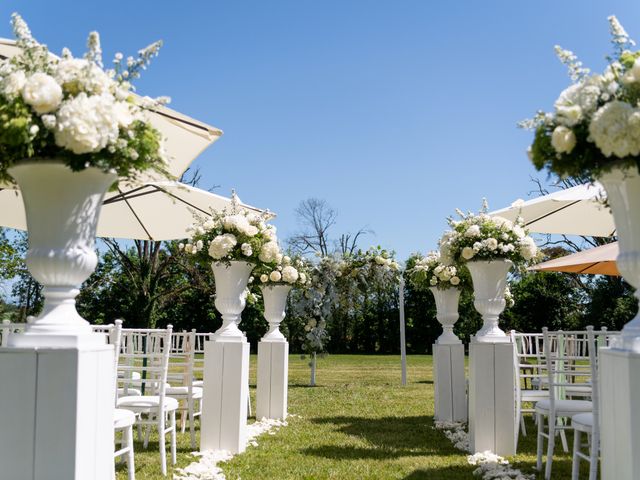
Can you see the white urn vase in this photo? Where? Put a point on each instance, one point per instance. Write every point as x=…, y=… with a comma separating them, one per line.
x=489, y=284
x=231, y=282
x=275, y=304
x=623, y=194
x=62, y=209
x=447, y=313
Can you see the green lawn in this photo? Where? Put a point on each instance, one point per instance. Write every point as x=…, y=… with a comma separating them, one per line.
x=358, y=423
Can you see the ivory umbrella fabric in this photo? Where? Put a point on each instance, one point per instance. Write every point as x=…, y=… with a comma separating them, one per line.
x=153, y=211
x=598, y=261
x=578, y=210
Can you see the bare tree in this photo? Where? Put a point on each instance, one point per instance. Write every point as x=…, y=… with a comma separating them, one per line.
x=348, y=243
x=315, y=217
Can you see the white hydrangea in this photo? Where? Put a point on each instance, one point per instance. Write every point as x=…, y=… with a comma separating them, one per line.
x=578, y=100
x=240, y=223
x=615, y=129
x=222, y=245
x=79, y=75
x=13, y=84
x=42, y=92
x=269, y=252
x=290, y=274
x=86, y=124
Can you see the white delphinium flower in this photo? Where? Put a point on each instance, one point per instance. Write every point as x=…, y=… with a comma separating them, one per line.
x=42, y=92
x=269, y=252
x=621, y=39
x=86, y=124
x=246, y=249
x=222, y=245
x=290, y=274
x=275, y=276
x=576, y=70
x=614, y=129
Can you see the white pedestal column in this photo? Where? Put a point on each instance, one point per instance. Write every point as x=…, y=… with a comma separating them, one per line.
x=619, y=414
x=273, y=372
x=56, y=419
x=226, y=388
x=449, y=382
x=492, y=403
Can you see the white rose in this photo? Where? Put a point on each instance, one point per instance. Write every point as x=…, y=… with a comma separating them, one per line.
x=468, y=253
x=454, y=281
x=290, y=274
x=246, y=249
x=42, y=92
x=563, y=139
x=491, y=243
x=313, y=323
x=264, y=278
x=275, y=276
x=433, y=281
x=303, y=278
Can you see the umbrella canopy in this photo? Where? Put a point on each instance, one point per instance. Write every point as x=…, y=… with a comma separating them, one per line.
x=186, y=138
x=598, y=261
x=573, y=211
x=154, y=211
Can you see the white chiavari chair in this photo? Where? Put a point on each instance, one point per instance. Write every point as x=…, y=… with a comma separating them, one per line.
x=589, y=423
x=530, y=373
x=7, y=328
x=148, y=350
x=181, y=379
x=567, y=366
x=198, y=362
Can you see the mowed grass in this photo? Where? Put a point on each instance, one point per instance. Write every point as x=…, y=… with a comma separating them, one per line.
x=357, y=423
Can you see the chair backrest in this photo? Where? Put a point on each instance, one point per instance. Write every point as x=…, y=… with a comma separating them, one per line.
x=198, y=350
x=528, y=358
x=113, y=333
x=568, y=364
x=182, y=358
x=6, y=328
x=145, y=351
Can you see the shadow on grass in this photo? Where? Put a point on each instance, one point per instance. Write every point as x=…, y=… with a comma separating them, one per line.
x=388, y=437
x=452, y=472
x=427, y=382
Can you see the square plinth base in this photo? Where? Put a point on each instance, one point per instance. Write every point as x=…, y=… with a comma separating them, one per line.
x=449, y=382
x=224, y=403
x=619, y=373
x=492, y=402
x=57, y=413
x=273, y=372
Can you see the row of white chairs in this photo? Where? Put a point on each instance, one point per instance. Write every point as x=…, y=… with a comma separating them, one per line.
x=557, y=374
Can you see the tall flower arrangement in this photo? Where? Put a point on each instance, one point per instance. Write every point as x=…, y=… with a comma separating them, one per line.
x=595, y=123
x=75, y=110
x=483, y=237
x=293, y=271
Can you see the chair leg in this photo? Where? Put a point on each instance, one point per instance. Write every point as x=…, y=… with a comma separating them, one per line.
x=131, y=469
x=192, y=424
x=575, y=463
x=161, y=441
x=594, y=452
x=550, y=447
x=147, y=432
x=173, y=437
x=522, y=425
x=139, y=429
x=540, y=445
x=563, y=440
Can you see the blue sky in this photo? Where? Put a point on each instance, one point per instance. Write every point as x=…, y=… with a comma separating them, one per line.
x=395, y=113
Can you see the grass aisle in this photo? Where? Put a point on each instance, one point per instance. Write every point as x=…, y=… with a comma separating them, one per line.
x=358, y=423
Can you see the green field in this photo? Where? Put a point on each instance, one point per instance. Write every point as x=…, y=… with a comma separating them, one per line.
x=358, y=423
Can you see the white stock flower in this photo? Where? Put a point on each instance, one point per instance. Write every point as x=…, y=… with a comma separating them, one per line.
x=86, y=124
x=42, y=92
x=290, y=274
x=275, y=276
x=615, y=129
x=563, y=139
x=269, y=252
x=222, y=245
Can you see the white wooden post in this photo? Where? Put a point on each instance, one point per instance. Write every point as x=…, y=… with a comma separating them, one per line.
x=449, y=383
x=619, y=372
x=312, y=380
x=273, y=371
x=403, y=343
x=492, y=404
x=57, y=412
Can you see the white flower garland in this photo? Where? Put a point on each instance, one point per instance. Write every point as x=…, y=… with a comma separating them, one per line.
x=490, y=465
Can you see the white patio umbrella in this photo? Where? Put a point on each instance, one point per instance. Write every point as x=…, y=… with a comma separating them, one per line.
x=596, y=261
x=186, y=138
x=574, y=211
x=154, y=211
